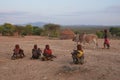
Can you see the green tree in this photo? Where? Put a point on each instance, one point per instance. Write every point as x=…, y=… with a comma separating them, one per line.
x=8, y=29
x=52, y=30
x=115, y=31
x=118, y=34
x=100, y=34
x=28, y=30
x=19, y=29
x=37, y=30
x=1, y=29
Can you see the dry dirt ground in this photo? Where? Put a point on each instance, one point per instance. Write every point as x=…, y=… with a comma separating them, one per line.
x=100, y=64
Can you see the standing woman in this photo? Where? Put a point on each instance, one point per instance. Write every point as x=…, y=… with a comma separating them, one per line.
x=106, y=40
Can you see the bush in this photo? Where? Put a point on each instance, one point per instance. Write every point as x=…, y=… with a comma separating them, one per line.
x=100, y=34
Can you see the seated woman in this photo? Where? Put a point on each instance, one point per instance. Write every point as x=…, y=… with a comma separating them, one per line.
x=36, y=52
x=78, y=55
x=48, y=53
x=18, y=52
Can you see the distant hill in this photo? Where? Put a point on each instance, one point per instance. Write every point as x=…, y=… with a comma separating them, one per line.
x=40, y=24
x=89, y=26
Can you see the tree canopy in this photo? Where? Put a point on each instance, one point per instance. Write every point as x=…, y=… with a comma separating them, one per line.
x=52, y=30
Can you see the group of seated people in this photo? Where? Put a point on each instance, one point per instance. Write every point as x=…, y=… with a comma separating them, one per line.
x=77, y=55
x=47, y=53
x=36, y=53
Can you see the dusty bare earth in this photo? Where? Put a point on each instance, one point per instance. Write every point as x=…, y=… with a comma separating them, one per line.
x=100, y=64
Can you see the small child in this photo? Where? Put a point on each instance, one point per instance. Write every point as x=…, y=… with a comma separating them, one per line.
x=18, y=52
x=36, y=52
x=48, y=53
x=78, y=55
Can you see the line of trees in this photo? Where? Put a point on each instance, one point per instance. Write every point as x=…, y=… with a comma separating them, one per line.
x=113, y=32
x=52, y=30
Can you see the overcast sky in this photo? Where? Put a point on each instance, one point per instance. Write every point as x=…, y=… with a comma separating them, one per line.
x=65, y=12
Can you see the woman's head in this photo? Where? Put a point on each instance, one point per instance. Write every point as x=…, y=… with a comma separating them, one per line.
x=105, y=30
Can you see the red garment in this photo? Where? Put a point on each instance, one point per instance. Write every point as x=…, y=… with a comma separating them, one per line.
x=16, y=50
x=106, y=41
x=48, y=51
